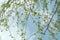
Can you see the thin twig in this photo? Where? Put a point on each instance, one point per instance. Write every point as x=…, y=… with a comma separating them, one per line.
x=32, y=35
x=52, y=16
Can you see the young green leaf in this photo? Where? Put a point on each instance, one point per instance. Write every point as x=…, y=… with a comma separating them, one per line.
x=35, y=0
x=39, y=38
x=34, y=14
x=58, y=3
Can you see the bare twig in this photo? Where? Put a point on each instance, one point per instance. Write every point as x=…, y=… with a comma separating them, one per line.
x=52, y=16
x=32, y=35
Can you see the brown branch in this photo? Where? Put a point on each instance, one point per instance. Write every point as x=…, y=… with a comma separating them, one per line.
x=51, y=17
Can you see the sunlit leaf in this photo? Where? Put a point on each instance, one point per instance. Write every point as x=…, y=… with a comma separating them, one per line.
x=6, y=5
x=35, y=0
x=17, y=13
x=39, y=15
x=34, y=14
x=45, y=5
x=42, y=33
x=58, y=3
x=55, y=25
x=52, y=33
x=1, y=20
x=44, y=0
x=39, y=38
x=39, y=27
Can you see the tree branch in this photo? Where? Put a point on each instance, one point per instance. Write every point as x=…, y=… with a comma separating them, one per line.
x=51, y=17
